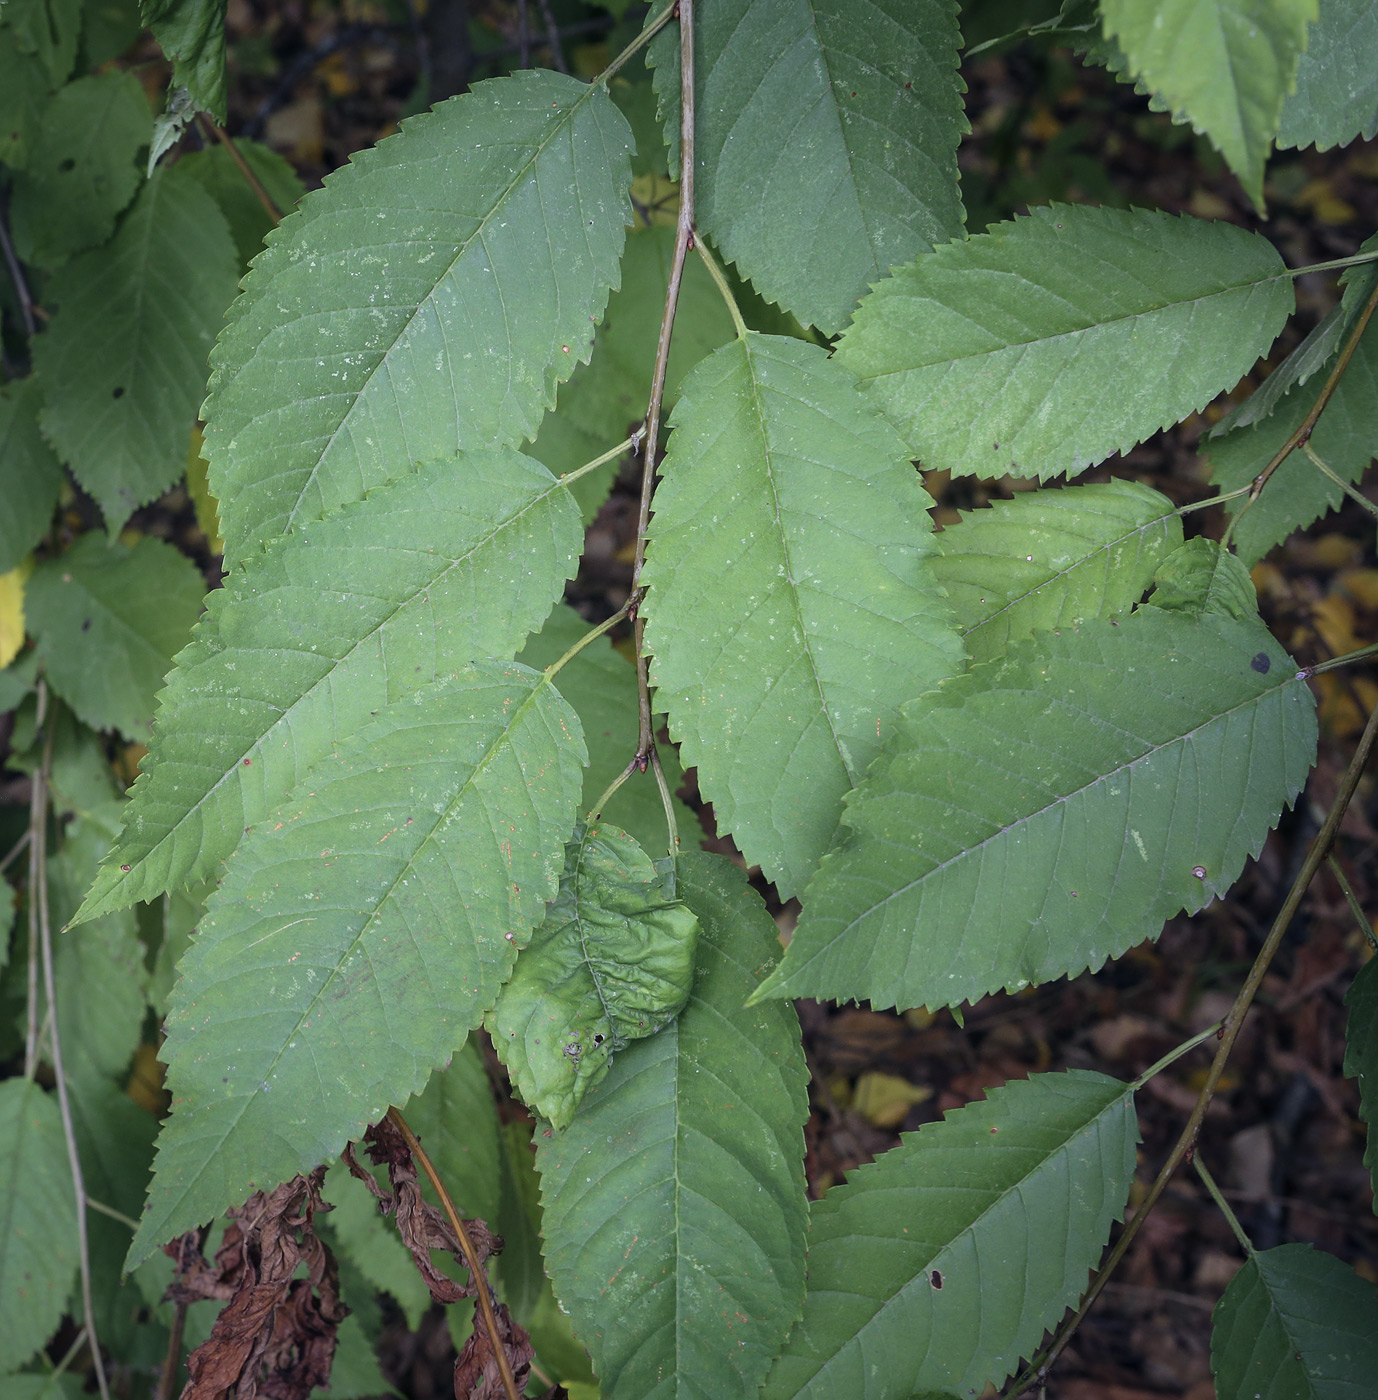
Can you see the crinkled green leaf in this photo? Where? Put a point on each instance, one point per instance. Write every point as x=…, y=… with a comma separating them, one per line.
x=826, y=139
x=674, y=1203
x=375, y=919
x=131, y=607
x=1049, y=342
x=38, y=1226
x=611, y=964
x=33, y=475
x=1047, y=811
x=81, y=170
x=1200, y=577
x=1345, y=439
x=460, y=559
x=1336, y=97
x=600, y=683
x=249, y=221
x=791, y=608
x=942, y=1263
x=1295, y=1324
x=192, y=34
x=1361, y=1056
x=1052, y=558
x=1223, y=65
x=429, y=298
x=123, y=362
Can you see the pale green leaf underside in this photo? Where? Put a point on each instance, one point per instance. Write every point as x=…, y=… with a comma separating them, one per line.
x=1345, y=439
x=1005, y=1206
x=38, y=1226
x=428, y=299
x=33, y=475
x=123, y=363
x=1051, y=559
x=1361, y=1057
x=1295, y=1324
x=459, y=560
x=791, y=609
x=826, y=140
x=375, y=920
x=600, y=685
x=1223, y=65
x=1049, y=342
x=132, y=607
x=611, y=963
x=674, y=1203
x=1336, y=97
x=1043, y=813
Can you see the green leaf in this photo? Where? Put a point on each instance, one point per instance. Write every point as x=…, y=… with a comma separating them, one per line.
x=1361, y=1056
x=1201, y=578
x=1223, y=65
x=612, y=963
x=429, y=298
x=1049, y=342
x=825, y=143
x=24, y=91
x=81, y=171
x=674, y=1203
x=1006, y=1206
x=33, y=476
x=354, y=1371
x=375, y=920
x=132, y=608
x=600, y=683
x=215, y=169
x=455, y=1119
x=1345, y=439
x=123, y=362
x=108, y=28
x=791, y=607
x=1051, y=559
x=192, y=34
x=1295, y=1324
x=48, y=30
x=1336, y=97
x=459, y=560
x=1045, y=812
x=38, y=1225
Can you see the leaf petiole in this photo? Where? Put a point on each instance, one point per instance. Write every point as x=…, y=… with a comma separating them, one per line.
x=1175, y=1054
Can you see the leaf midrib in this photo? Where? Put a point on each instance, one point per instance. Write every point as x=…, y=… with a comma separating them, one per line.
x=563, y=124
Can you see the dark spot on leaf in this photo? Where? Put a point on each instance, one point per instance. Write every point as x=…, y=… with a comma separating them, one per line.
x=119, y=392
x=86, y=626
x=65, y=165
x=247, y=762
x=125, y=869
x=1261, y=663
x=936, y=1279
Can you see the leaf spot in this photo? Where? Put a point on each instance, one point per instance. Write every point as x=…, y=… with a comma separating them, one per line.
x=1261, y=663
x=1199, y=871
x=936, y=1279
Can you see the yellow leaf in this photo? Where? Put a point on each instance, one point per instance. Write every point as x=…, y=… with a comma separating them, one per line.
x=11, y=614
x=885, y=1099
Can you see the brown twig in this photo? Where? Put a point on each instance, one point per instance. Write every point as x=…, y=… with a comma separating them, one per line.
x=684, y=237
x=172, y=1362
x=38, y=899
x=1038, y=1370
x=485, y=1300
x=236, y=155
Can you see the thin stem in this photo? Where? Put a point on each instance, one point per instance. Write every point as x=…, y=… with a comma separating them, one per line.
x=1320, y=848
x=476, y=1270
x=1218, y=1197
x=252, y=180
x=569, y=478
x=552, y=34
x=639, y=43
x=38, y=894
x=596, y=810
x=1174, y=1055
x=1336, y=662
x=592, y=635
x=684, y=236
x=1355, y=908
x=16, y=271
x=38, y=886
x=667, y=802
x=1349, y=490
x=1354, y=260
x=16, y=850
x=1214, y=500
x=720, y=278
x=1307, y=425
x=102, y=1209
x=172, y=1362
